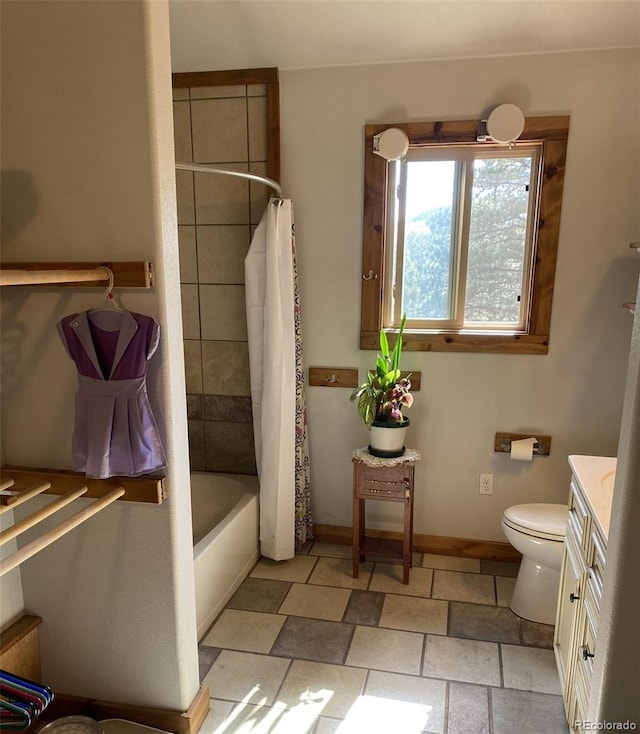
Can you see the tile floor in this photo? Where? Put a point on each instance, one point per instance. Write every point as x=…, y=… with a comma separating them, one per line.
x=304, y=648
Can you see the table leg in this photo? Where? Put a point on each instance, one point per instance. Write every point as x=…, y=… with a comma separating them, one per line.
x=356, y=537
x=406, y=543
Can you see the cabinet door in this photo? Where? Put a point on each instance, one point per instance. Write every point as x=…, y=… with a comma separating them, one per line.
x=571, y=588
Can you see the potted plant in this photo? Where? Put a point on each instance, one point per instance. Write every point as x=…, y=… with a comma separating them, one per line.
x=382, y=397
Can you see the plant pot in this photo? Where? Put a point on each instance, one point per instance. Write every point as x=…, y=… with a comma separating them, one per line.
x=387, y=439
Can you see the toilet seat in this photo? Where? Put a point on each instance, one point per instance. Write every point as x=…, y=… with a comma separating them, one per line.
x=540, y=520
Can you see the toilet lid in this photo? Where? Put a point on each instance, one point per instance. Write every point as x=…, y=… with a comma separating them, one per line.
x=545, y=519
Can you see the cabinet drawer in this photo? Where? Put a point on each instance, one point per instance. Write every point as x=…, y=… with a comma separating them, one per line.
x=596, y=559
x=382, y=483
x=579, y=513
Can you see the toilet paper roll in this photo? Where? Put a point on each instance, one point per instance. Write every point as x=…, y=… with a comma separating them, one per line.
x=522, y=450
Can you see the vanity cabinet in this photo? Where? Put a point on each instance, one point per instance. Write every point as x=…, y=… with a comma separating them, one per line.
x=581, y=582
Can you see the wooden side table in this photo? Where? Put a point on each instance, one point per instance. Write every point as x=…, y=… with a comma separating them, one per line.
x=389, y=480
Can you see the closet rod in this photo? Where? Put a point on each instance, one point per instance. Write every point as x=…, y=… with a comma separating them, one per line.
x=126, y=274
x=26, y=494
x=35, y=517
x=29, y=550
x=46, y=277
x=201, y=168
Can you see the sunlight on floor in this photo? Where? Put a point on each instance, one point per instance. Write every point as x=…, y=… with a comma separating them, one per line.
x=384, y=715
x=375, y=714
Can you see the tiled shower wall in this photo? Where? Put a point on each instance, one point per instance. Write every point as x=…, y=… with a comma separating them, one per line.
x=224, y=126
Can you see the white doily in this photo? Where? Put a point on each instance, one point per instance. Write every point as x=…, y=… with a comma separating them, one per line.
x=363, y=455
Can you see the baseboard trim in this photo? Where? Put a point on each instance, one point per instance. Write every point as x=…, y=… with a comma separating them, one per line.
x=488, y=550
x=181, y=722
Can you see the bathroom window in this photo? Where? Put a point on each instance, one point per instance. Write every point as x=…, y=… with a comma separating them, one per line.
x=462, y=237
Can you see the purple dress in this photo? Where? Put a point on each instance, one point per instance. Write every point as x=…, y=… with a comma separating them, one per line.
x=115, y=433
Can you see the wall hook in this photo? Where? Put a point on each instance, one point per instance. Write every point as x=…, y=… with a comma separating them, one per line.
x=370, y=276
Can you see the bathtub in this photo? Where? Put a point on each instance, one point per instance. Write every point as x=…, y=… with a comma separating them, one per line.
x=224, y=510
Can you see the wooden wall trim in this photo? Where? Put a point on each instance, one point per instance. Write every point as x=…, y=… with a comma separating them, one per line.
x=181, y=722
x=229, y=77
x=20, y=648
x=233, y=77
x=487, y=550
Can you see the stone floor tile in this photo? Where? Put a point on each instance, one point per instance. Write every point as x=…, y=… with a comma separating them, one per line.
x=414, y=614
x=313, y=639
x=237, y=629
x=305, y=550
x=383, y=649
x=530, y=669
x=242, y=718
x=500, y=568
x=468, y=709
x=364, y=607
x=339, y=572
x=388, y=577
x=331, y=550
x=468, y=661
x=333, y=726
x=206, y=658
x=297, y=568
x=315, y=602
x=320, y=688
x=243, y=676
x=451, y=563
x=527, y=713
x=458, y=586
x=409, y=699
x=259, y=595
x=219, y=714
x=504, y=590
x=535, y=634
x=483, y=622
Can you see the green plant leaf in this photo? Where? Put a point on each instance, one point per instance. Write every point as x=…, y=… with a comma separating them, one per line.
x=384, y=344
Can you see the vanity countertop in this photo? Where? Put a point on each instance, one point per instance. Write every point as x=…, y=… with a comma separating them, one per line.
x=596, y=477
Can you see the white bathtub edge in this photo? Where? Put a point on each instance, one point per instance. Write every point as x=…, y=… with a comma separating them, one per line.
x=208, y=621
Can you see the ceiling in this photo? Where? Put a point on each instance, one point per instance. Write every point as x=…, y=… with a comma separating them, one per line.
x=291, y=34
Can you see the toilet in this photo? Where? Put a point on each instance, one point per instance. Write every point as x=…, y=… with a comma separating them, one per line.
x=537, y=531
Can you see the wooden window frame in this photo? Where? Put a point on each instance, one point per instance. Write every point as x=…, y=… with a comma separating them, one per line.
x=552, y=133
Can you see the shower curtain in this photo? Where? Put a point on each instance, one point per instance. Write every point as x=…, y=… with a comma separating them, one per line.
x=277, y=383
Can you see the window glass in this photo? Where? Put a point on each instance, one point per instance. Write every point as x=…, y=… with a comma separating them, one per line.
x=498, y=234
x=429, y=239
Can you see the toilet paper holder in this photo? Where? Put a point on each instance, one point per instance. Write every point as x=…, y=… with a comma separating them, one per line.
x=541, y=448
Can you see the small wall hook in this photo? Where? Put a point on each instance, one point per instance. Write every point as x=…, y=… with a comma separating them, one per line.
x=332, y=378
x=370, y=276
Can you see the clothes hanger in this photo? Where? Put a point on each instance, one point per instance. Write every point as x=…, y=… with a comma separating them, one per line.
x=21, y=701
x=109, y=295
x=14, y=716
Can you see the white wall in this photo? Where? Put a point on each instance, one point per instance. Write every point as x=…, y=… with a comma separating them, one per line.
x=87, y=157
x=575, y=392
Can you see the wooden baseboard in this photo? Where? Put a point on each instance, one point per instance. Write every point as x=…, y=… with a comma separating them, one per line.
x=488, y=550
x=181, y=722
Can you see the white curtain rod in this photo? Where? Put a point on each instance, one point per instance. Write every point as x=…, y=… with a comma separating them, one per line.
x=213, y=169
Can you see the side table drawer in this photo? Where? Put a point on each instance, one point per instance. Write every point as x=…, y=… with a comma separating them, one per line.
x=393, y=483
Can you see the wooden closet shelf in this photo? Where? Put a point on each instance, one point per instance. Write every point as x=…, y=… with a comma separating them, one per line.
x=137, y=489
x=130, y=274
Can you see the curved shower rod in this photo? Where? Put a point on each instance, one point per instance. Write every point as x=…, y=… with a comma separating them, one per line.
x=201, y=168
